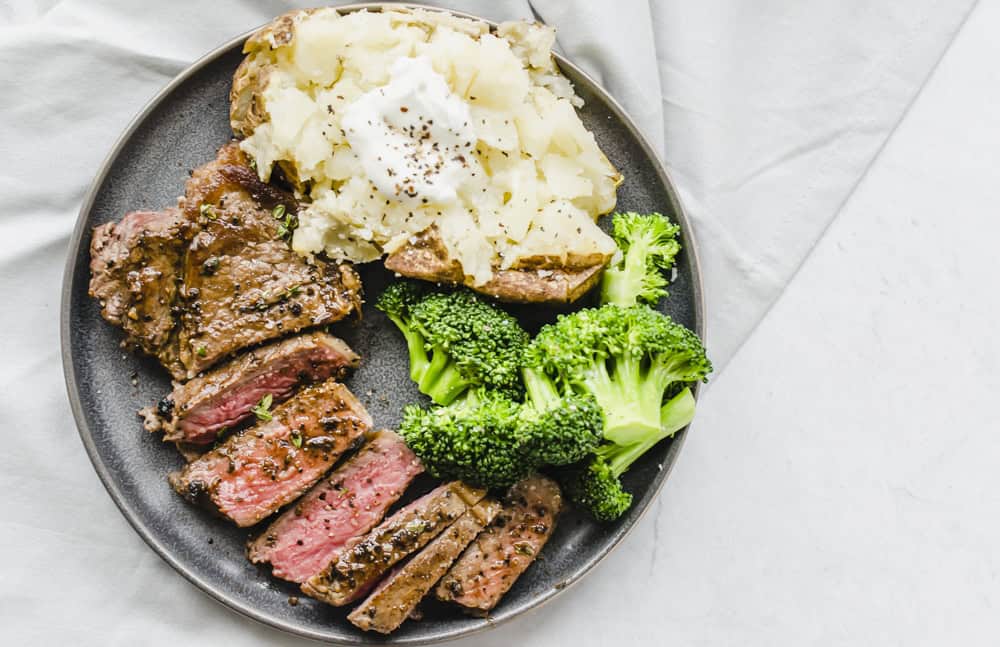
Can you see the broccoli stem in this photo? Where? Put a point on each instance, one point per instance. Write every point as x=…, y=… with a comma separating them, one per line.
x=676, y=414
x=623, y=286
x=630, y=412
x=614, y=398
x=639, y=414
x=442, y=381
x=659, y=376
x=541, y=391
x=415, y=344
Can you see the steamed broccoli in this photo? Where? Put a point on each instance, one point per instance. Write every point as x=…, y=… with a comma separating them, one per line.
x=630, y=360
x=601, y=385
x=487, y=439
x=556, y=429
x=594, y=486
x=649, y=244
x=473, y=439
x=627, y=358
x=594, y=483
x=456, y=340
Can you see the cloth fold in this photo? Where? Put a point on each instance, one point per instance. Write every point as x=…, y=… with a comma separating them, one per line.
x=772, y=113
x=766, y=114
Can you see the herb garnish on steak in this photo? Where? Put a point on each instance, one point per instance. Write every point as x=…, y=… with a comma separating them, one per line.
x=199, y=410
x=250, y=475
x=242, y=282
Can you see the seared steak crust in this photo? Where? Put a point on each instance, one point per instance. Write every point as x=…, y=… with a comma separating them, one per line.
x=133, y=265
x=229, y=175
x=242, y=282
x=346, y=504
x=502, y=552
x=357, y=568
x=249, y=476
x=395, y=598
x=194, y=284
x=197, y=411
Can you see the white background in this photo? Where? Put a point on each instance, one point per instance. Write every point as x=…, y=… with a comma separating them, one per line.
x=840, y=487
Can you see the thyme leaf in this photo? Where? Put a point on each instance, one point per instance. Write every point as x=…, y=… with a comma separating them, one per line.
x=263, y=409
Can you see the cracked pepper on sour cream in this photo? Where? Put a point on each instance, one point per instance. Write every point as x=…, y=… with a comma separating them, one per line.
x=413, y=135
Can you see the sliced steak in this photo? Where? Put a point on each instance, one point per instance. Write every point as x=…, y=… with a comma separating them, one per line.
x=395, y=598
x=502, y=552
x=345, y=504
x=229, y=175
x=133, y=269
x=365, y=559
x=197, y=411
x=216, y=275
x=242, y=282
x=249, y=476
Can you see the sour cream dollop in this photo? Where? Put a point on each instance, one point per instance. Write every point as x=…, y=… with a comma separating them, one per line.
x=413, y=136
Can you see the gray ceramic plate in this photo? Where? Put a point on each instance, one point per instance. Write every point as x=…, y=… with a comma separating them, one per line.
x=181, y=128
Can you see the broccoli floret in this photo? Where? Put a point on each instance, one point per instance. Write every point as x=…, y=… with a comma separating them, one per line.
x=594, y=483
x=557, y=429
x=627, y=358
x=473, y=439
x=649, y=245
x=594, y=486
x=456, y=341
x=630, y=358
x=488, y=439
x=473, y=342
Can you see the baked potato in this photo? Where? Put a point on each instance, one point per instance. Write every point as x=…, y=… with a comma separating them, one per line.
x=523, y=230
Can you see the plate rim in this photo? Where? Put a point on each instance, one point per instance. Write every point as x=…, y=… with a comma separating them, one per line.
x=125, y=506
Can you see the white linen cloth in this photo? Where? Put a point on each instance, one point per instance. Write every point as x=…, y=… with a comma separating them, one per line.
x=767, y=115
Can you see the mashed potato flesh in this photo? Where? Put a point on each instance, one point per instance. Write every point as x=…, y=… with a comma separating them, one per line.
x=489, y=144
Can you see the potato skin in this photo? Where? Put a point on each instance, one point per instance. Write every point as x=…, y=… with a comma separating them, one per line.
x=538, y=280
x=246, y=109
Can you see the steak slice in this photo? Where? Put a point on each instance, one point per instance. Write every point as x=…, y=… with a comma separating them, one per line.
x=365, y=559
x=215, y=275
x=346, y=504
x=502, y=552
x=395, y=598
x=133, y=275
x=242, y=282
x=252, y=474
x=196, y=412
